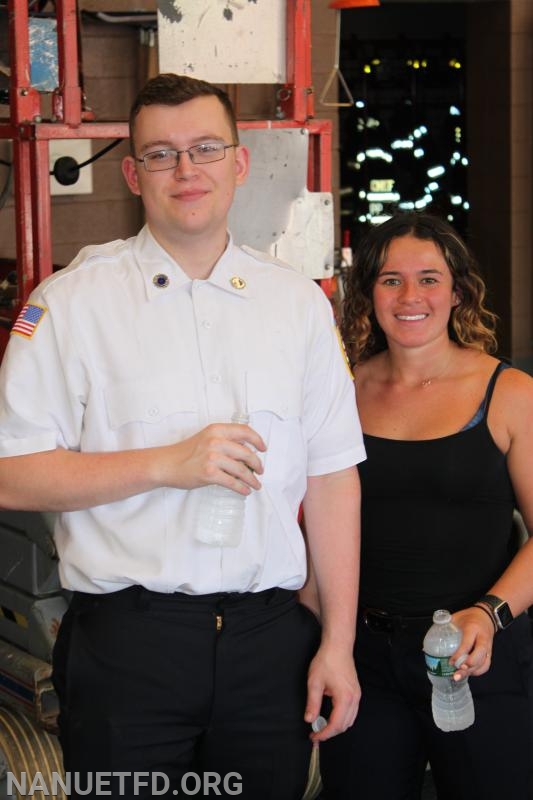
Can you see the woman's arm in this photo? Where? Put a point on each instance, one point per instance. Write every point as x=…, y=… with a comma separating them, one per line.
x=511, y=421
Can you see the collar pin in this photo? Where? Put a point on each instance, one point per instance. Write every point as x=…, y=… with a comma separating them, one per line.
x=160, y=280
x=238, y=283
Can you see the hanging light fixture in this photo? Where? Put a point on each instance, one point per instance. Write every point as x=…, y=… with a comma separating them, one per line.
x=353, y=3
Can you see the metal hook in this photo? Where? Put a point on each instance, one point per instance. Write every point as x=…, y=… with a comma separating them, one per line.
x=336, y=72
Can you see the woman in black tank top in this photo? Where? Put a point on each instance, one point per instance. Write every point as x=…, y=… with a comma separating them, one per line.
x=449, y=440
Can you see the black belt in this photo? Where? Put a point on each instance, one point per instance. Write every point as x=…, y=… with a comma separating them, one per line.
x=379, y=621
x=137, y=597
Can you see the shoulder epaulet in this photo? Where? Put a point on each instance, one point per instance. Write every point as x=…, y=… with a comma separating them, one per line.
x=85, y=256
x=94, y=251
x=266, y=258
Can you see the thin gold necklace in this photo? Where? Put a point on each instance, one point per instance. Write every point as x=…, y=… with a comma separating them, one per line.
x=429, y=381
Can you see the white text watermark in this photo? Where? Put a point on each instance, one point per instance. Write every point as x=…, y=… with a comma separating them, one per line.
x=98, y=784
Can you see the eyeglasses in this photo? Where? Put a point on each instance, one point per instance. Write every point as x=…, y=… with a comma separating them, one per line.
x=168, y=158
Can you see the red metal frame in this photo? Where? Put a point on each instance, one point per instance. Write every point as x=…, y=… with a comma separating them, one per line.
x=67, y=97
x=31, y=134
x=297, y=100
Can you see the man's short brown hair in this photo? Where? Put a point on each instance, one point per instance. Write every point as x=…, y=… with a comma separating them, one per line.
x=169, y=89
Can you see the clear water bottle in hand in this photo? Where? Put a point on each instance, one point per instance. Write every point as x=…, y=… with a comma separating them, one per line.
x=451, y=701
x=221, y=519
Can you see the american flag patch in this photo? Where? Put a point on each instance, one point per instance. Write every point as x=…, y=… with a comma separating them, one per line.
x=28, y=319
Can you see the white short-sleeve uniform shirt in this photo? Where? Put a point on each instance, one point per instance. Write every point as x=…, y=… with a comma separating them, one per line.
x=129, y=352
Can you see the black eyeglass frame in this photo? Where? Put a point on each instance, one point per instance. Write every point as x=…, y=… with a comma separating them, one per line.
x=191, y=151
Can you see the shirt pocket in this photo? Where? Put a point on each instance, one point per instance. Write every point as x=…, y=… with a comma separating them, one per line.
x=158, y=410
x=275, y=404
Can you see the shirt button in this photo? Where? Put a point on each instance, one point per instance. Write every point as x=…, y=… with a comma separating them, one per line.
x=153, y=412
x=216, y=378
x=206, y=324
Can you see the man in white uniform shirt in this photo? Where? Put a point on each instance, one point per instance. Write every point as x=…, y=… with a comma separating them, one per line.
x=116, y=392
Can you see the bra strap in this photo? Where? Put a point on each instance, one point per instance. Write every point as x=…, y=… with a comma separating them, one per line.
x=490, y=388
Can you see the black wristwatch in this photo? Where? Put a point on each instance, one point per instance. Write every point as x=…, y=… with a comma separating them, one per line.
x=500, y=610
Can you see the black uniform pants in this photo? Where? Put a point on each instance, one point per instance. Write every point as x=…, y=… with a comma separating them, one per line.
x=185, y=695
x=384, y=754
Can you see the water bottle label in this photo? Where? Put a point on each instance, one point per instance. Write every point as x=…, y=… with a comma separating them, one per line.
x=439, y=666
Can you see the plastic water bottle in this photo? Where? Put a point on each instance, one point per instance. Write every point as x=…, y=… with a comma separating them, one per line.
x=221, y=520
x=451, y=701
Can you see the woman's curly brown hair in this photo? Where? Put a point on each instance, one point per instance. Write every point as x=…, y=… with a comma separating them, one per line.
x=471, y=323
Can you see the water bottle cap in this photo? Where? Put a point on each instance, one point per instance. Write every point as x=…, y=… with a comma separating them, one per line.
x=319, y=724
x=442, y=617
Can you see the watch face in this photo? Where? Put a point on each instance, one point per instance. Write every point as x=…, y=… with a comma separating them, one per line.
x=500, y=609
x=503, y=612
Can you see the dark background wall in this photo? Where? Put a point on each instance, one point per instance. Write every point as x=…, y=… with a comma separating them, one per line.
x=495, y=91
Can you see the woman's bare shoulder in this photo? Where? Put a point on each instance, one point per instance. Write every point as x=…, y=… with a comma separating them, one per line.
x=514, y=379
x=512, y=404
